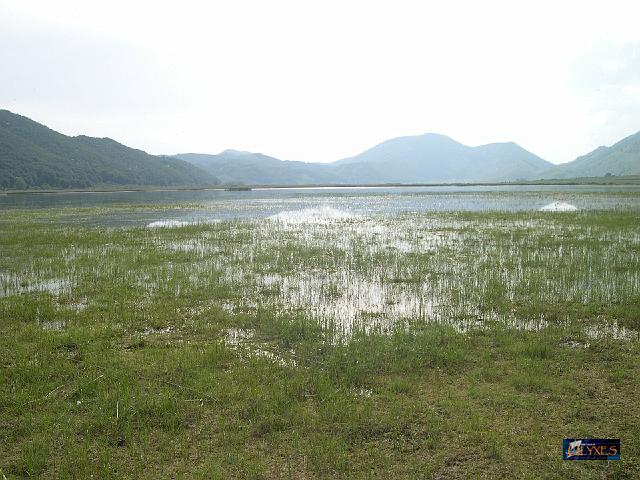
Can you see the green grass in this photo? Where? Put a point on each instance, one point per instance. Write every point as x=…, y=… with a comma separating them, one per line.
x=449, y=345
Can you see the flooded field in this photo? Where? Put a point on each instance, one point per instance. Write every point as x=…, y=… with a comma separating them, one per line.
x=319, y=327
x=208, y=205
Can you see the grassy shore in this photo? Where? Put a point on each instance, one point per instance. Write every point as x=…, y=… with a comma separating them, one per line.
x=448, y=345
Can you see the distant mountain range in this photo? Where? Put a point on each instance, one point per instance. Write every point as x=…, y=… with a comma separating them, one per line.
x=438, y=158
x=418, y=159
x=428, y=158
x=33, y=156
x=232, y=166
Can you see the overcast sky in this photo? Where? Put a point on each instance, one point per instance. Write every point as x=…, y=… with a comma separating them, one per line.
x=318, y=81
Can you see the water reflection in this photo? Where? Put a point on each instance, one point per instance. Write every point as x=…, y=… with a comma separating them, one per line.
x=198, y=206
x=559, y=207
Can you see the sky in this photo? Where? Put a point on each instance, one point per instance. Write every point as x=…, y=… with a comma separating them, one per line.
x=323, y=80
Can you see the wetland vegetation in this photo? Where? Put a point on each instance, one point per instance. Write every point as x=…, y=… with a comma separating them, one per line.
x=318, y=342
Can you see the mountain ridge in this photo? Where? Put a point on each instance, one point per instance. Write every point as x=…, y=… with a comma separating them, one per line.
x=621, y=158
x=35, y=156
x=428, y=157
x=499, y=161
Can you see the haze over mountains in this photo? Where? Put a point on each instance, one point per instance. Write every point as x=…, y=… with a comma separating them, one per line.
x=437, y=158
x=258, y=169
x=428, y=158
x=34, y=156
x=416, y=159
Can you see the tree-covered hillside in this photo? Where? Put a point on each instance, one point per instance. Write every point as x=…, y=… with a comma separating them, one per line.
x=623, y=158
x=34, y=156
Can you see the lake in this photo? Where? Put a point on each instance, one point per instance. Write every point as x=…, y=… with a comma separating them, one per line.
x=209, y=205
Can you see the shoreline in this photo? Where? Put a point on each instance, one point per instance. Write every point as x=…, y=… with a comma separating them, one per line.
x=587, y=181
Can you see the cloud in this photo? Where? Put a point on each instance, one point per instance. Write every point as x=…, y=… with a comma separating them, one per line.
x=321, y=81
x=607, y=80
x=608, y=65
x=76, y=70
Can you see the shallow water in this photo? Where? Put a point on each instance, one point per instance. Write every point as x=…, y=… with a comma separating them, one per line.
x=11, y=284
x=207, y=205
x=359, y=272
x=354, y=259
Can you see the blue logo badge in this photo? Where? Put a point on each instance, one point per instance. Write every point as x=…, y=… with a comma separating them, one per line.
x=591, y=449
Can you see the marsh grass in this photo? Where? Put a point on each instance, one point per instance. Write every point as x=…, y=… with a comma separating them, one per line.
x=448, y=345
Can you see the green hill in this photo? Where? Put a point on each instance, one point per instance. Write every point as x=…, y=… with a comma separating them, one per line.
x=232, y=166
x=34, y=156
x=623, y=158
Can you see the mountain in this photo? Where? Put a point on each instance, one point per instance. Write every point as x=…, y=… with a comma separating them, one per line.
x=425, y=158
x=623, y=158
x=511, y=161
x=437, y=158
x=34, y=156
x=232, y=166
